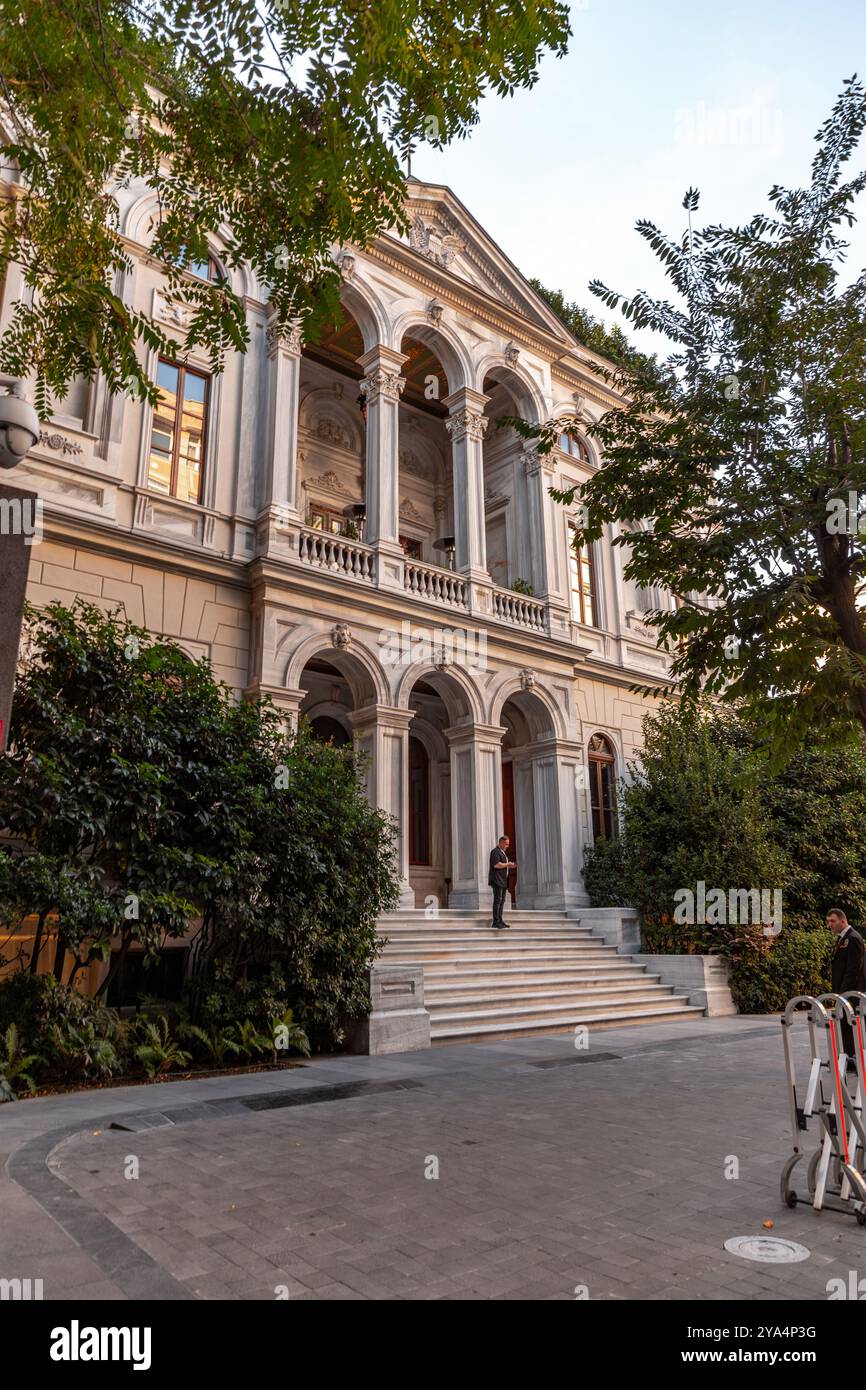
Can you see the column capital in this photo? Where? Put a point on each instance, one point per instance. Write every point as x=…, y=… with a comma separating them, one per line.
x=535, y=462
x=475, y=733
x=286, y=338
x=383, y=716
x=466, y=414
x=382, y=373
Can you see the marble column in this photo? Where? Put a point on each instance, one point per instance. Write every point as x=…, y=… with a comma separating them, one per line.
x=476, y=810
x=544, y=528
x=277, y=502
x=466, y=424
x=382, y=734
x=381, y=387
x=549, y=783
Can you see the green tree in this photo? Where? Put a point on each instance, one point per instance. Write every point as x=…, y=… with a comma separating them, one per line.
x=134, y=778
x=691, y=811
x=278, y=125
x=611, y=342
x=743, y=452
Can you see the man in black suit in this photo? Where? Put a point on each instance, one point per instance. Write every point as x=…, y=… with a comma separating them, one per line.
x=497, y=878
x=848, y=970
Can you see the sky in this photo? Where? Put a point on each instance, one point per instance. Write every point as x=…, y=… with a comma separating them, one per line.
x=651, y=99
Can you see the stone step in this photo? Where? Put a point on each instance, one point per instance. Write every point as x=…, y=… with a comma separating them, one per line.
x=508, y=980
x=618, y=992
x=566, y=1008
x=429, y=955
x=459, y=936
x=475, y=1031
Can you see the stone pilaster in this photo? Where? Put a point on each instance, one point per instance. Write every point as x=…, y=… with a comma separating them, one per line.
x=277, y=502
x=381, y=388
x=466, y=425
x=476, y=809
x=382, y=734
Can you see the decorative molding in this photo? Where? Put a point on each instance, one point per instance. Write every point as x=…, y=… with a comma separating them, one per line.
x=430, y=239
x=328, y=482
x=59, y=443
x=409, y=512
x=341, y=636
x=410, y=463
x=466, y=422
x=347, y=266
x=527, y=679
x=511, y=354
x=435, y=310
x=333, y=432
x=172, y=311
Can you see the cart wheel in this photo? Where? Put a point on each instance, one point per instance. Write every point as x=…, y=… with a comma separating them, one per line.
x=791, y=1199
x=861, y=1218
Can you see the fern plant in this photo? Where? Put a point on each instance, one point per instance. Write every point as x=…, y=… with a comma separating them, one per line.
x=159, y=1051
x=15, y=1065
x=215, y=1044
x=289, y=1036
x=248, y=1041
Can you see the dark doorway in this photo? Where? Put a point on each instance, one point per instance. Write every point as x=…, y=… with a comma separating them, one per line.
x=419, y=802
x=328, y=730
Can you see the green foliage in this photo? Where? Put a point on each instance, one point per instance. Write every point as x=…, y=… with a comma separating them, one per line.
x=817, y=809
x=604, y=872
x=15, y=1065
x=739, y=451
x=796, y=962
x=133, y=775
x=278, y=126
x=214, y=1045
x=611, y=343
x=76, y=1037
x=289, y=1036
x=691, y=812
x=159, y=1051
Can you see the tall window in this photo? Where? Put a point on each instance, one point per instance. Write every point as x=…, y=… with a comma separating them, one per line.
x=419, y=802
x=177, y=437
x=602, y=787
x=584, y=603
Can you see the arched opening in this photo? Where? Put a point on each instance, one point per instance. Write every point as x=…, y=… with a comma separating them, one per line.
x=330, y=730
x=331, y=435
x=602, y=788
x=530, y=800
x=426, y=506
x=510, y=562
x=429, y=796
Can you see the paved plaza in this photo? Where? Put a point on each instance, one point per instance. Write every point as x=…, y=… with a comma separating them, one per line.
x=521, y=1170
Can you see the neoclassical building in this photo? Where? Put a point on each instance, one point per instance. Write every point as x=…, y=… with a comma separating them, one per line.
x=345, y=526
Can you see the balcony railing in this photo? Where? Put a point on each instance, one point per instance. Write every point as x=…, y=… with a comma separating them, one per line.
x=510, y=607
x=336, y=554
x=435, y=585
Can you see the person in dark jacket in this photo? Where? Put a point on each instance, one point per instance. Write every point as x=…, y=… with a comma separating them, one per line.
x=848, y=970
x=497, y=878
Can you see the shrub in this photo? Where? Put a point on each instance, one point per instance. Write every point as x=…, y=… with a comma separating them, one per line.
x=795, y=962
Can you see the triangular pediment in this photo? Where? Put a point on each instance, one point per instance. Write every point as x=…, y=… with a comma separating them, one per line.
x=445, y=233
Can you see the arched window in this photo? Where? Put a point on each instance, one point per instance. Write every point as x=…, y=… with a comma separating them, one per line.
x=602, y=787
x=576, y=446
x=419, y=802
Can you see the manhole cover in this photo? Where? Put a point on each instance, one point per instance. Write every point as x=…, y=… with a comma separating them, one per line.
x=771, y=1250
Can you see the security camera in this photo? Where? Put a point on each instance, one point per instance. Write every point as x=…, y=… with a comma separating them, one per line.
x=19, y=427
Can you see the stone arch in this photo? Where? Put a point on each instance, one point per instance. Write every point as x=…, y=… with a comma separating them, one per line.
x=134, y=224
x=367, y=310
x=362, y=671
x=544, y=717
x=517, y=381
x=460, y=694
x=451, y=352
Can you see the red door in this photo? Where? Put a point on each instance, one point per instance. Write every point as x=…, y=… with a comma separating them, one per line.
x=508, y=823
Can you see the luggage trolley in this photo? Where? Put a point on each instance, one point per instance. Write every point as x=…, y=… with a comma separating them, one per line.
x=835, y=1173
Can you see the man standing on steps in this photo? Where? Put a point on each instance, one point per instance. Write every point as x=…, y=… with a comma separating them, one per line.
x=500, y=865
